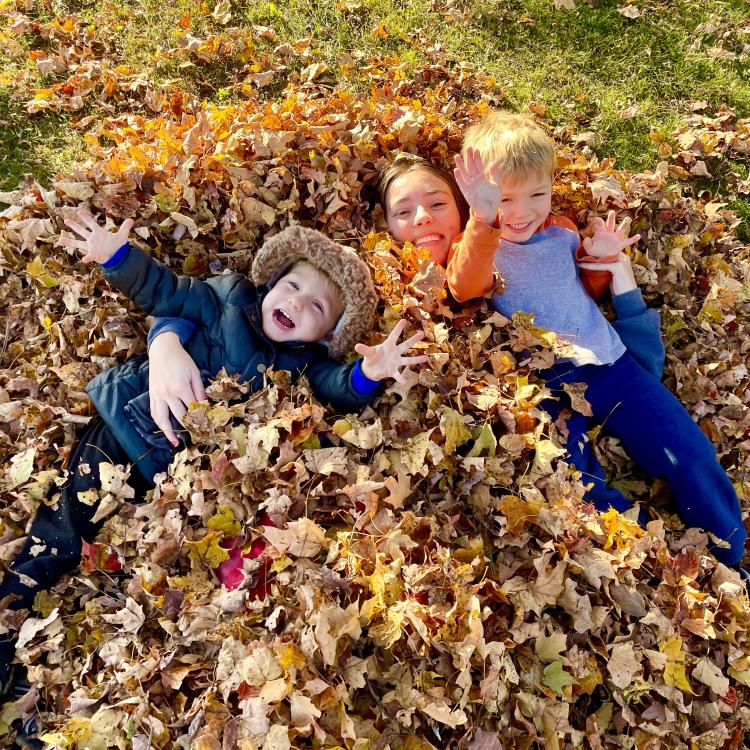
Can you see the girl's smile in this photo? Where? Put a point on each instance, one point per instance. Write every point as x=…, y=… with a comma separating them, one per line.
x=421, y=209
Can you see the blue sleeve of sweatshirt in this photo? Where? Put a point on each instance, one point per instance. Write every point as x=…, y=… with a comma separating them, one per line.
x=361, y=383
x=639, y=328
x=185, y=329
x=117, y=257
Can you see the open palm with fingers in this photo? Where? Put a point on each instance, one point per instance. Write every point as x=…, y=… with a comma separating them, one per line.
x=481, y=188
x=608, y=240
x=174, y=382
x=387, y=358
x=97, y=243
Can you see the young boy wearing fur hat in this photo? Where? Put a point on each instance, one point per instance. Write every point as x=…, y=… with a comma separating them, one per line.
x=320, y=303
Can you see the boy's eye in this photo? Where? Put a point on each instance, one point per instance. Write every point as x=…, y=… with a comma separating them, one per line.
x=293, y=284
x=318, y=307
x=400, y=214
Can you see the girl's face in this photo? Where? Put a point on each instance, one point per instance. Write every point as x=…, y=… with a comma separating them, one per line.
x=421, y=209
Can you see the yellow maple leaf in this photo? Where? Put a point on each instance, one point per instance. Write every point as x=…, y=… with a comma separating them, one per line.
x=454, y=430
x=384, y=583
x=620, y=531
x=388, y=630
x=484, y=439
x=674, y=671
x=39, y=273
x=291, y=656
x=674, y=676
x=223, y=521
x=519, y=513
x=207, y=551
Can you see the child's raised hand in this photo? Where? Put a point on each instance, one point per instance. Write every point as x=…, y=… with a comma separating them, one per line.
x=482, y=190
x=608, y=239
x=387, y=358
x=98, y=243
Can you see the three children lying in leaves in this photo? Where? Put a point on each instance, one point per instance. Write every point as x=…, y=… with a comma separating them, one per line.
x=310, y=301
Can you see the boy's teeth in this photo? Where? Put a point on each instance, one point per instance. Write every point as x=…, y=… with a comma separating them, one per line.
x=427, y=238
x=284, y=319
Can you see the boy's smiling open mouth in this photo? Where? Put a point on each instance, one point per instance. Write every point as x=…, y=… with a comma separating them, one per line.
x=519, y=227
x=283, y=319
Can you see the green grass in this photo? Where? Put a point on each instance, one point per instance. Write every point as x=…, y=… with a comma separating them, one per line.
x=40, y=146
x=584, y=65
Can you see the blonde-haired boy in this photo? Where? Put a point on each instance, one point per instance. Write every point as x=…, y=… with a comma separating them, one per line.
x=511, y=229
x=515, y=143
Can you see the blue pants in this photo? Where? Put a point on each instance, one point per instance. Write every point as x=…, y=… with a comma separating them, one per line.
x=61, y=529
x=660, y=437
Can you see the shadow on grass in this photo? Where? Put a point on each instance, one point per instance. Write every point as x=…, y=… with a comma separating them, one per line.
x=30, y=144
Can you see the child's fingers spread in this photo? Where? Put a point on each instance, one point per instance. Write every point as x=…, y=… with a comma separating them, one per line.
x=611, y=221
x=631, y=240
x=399, y=378
x=406, y=345
x=495, y=174
x=177, y=408
x=160, y=416
x=86, y=217
x=196, y=385
x=72, y=242
x=420, y=360
x=364, y=350
x=478, y=162
x=398, y=329
x=76, y=227
x=126, y=226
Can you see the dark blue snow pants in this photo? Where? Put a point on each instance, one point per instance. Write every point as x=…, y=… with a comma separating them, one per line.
x=60, y=530
x=660, y=437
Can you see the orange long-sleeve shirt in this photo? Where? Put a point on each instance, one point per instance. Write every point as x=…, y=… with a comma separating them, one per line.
x=471, y=260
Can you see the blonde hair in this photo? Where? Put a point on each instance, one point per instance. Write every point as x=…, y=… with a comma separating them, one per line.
x=517, y=144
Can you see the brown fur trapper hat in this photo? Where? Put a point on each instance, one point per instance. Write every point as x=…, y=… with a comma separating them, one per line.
x=341, y=264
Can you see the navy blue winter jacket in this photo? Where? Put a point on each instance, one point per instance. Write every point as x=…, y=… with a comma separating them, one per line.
x=226, y=311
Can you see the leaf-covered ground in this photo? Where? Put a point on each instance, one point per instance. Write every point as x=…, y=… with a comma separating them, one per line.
x=432, y=577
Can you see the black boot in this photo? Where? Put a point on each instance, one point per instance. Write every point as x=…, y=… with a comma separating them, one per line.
x=27, y=735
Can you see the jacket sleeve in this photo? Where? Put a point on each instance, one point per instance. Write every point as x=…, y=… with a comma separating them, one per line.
x=161, y=292
x=639, y=328
x=471, y=261
x=332, y=384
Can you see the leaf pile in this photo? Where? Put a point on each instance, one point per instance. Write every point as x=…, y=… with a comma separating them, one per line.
x=429, y=575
